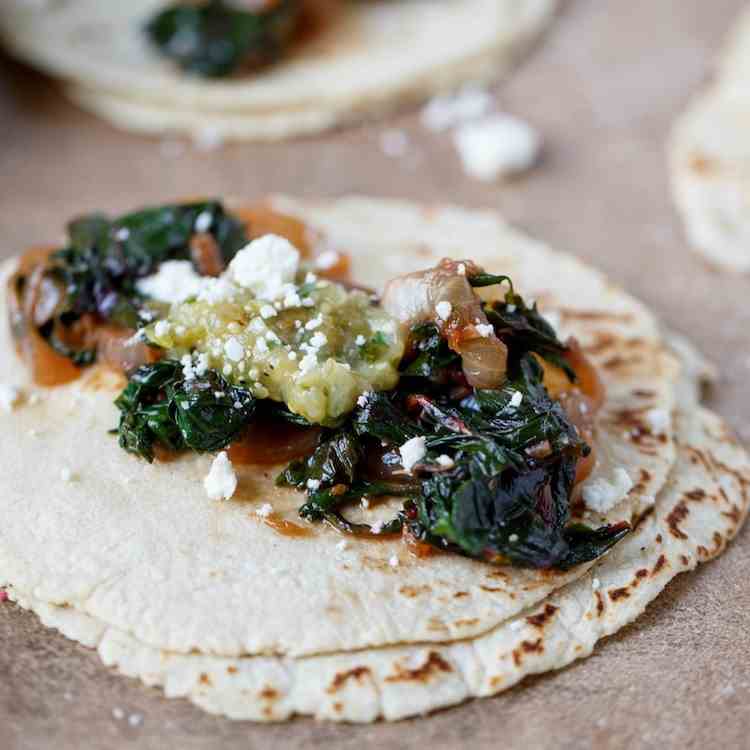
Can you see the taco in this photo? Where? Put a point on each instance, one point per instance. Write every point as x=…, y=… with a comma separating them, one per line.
x=266, y=70
x=347, y=471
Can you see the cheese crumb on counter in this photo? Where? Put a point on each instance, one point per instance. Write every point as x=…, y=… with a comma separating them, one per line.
x=412, y=452
x=601, y=495
x=10, y=397
x=497, y=146
x=443, y=112
x=221, y=481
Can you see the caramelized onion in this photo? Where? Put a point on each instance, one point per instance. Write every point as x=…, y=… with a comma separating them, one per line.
x=117, y=348
x=416, y=297
x=270, y=442
x=206, y=255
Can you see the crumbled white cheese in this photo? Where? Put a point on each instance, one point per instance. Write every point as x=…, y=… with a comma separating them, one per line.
x=118, y=713
x=377, y=527
x=443, y=112
x=10, y=397
x=342, y=545
x=513, y=538
x=215, y=290
x=394, y=143
x=393, y=561
x=658, y=420
x=308, y=362
x=360, y=340
x=234, y=349
x=601, y=495
x=365, y=503
x=461, y=269
x=324, y=261
x=446, y=462
x=122, y=234
x=485, y=329
x=203, y=221
x=266, y=266
x=510, y=308
x=443, y=309
x=318, y=340
x=135, y=720
x=313, y=484
x=595, y=584
x=267, y=311
x=221, y=481
x=515, y=400
x=314, y=323
x=174, y=281
x=497, y=146
x=265, y=510
x=362, y=399
x=412, y=452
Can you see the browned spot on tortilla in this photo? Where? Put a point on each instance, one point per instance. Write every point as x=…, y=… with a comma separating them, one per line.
x=338, y=707
x=702, y=551
x=718, y=539
x=496, y=681
x=645, y=475
x=640, y=519
x=594, y=315
x=696, y=495
x=642, y=573
x=436, y=625
x=621, y=593
x=676, y=516
x=527, y=647
x=643, y=393
x=660, y=563
x=702, y=165
x=204, y=679
x=490, y=589
x=267, y=711
x=599, y=604
x=698, y=457
x=467, y=623
x=268, y=693
x=434, y=664
x=579, y=648
x=341, y=678
x=659, y=538
x=684, y=559
x=460, y=594
x=539, y=620
x=602, y=342
x=412, y=591
x=232, y=669
x=502, y=575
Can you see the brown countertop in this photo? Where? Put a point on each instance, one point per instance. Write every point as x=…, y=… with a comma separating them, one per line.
x=603, y=89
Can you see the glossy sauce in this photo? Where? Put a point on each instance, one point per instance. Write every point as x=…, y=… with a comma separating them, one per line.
x=287, y=528
x=267, y=442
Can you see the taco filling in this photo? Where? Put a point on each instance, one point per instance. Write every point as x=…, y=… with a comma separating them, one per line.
x=238, y=332
x=215, y=38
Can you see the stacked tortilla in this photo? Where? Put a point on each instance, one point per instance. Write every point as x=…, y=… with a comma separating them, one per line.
x=210, y=602
x=366, y=57
x=710, y=160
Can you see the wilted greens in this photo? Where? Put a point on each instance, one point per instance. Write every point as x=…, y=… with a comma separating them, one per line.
x=496, y=467
x=215, y=39
x=97, y=271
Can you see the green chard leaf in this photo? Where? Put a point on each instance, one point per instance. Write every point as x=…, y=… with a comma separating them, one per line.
x=160, y=407
x=215, y=39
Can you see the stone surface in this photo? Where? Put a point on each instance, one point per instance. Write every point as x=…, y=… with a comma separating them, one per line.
x=602, y=90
